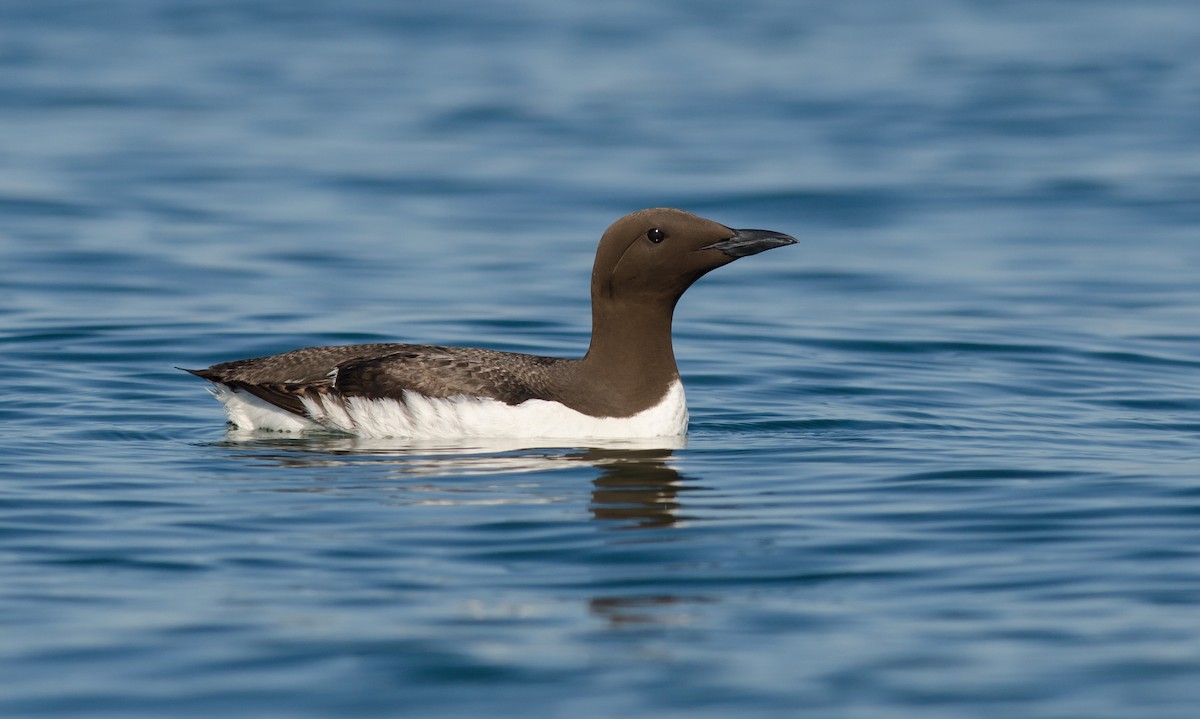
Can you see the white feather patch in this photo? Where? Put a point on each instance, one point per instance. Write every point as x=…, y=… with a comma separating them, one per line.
x=245, y=411
x=421, y=417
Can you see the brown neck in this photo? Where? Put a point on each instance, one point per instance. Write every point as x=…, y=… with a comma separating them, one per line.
x=630, y=363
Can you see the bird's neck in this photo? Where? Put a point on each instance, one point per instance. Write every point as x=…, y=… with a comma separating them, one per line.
x=630, y=355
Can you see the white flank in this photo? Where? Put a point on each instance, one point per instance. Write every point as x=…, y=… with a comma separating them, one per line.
x=246, y=411
x=421, y=417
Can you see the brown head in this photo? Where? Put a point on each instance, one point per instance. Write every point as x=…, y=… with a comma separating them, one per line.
x=653, y=256
x=645, y=262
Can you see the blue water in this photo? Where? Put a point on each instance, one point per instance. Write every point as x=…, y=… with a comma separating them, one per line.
x=945, y=452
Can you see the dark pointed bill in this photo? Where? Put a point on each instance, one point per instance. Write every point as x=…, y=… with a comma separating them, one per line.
x=750, y=242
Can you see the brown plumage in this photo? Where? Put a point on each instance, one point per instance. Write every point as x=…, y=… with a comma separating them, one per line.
x=645, y=262
x=388, y=371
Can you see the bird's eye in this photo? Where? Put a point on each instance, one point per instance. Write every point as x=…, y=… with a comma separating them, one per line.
x=656, y=235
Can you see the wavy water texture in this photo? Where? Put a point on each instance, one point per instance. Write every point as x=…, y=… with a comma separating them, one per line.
x=943, y=453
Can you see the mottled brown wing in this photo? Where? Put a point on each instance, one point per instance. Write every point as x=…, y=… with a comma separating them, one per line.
x=283, y=379
x=448, y=372
x=310, y=365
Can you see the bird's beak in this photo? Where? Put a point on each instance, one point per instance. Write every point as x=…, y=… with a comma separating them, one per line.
x=750, y=242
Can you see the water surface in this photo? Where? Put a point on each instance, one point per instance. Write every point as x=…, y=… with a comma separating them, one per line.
x=943, y=456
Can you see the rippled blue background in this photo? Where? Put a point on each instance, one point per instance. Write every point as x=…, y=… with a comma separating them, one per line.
x=944, y=452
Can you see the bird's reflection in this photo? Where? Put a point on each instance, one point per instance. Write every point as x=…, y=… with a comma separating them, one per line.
x=656, y=609
x=636, y=488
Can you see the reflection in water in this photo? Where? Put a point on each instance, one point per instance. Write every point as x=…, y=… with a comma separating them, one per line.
x=636, y=487
x=650, y=609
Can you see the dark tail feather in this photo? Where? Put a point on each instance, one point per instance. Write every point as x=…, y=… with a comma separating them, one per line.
x=284, y=397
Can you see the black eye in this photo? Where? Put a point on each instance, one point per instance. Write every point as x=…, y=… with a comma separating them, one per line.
x=656, y=235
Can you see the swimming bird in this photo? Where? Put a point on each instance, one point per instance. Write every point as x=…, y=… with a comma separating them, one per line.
x=627, y=385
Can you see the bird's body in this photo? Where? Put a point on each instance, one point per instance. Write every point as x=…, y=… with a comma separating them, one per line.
x=423, y=392
x=627, y=385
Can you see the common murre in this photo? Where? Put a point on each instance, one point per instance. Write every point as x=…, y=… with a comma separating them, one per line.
x=627, y=385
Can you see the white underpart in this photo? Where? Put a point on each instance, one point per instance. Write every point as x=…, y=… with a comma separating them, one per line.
x=245, y=411
x=421, y=417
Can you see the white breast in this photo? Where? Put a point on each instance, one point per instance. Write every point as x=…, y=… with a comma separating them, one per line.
x=420, y=417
